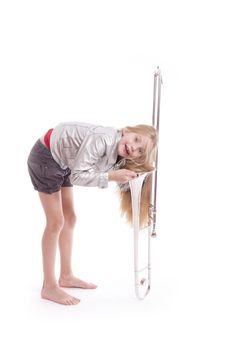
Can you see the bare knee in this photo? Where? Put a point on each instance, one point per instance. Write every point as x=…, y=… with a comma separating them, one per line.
x=55, y=224
x=70, y=220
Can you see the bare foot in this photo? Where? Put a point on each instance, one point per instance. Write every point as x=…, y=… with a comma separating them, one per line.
x=58, y=295
x=73, y=282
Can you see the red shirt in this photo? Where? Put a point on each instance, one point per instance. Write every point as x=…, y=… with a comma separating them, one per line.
x=47, y=138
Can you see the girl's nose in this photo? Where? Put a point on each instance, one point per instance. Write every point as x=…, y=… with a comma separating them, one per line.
x=135, y=148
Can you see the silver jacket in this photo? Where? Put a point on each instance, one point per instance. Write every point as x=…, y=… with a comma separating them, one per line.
x=90, y=151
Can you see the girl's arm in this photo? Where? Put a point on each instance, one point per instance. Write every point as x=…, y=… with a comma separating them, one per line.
x=121, y=175
x=84, y=172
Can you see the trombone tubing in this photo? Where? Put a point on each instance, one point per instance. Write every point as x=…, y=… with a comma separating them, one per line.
x=155, y=123
x=143, y=282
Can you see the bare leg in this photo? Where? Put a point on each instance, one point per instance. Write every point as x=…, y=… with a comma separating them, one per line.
x=52, y=205
x=67, y=278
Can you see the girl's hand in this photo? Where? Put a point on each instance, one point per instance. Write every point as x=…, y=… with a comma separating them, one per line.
x=121, y=175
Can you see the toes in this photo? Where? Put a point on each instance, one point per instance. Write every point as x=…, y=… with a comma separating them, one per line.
x=69, y=302
x=72, y=301
x=92, y=285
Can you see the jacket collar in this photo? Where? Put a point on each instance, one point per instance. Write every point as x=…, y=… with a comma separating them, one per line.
x=113, y=154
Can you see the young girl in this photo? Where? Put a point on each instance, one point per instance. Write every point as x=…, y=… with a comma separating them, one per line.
x=85, y=155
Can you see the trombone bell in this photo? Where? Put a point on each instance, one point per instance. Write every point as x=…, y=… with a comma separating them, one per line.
x=142, y=268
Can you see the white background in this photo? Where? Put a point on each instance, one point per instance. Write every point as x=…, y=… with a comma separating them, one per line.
x=94, y=61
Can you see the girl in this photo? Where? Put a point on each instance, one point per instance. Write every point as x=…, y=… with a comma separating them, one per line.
x=83, y=154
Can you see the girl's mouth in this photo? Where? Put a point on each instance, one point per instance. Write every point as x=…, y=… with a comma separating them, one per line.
x=126, y=149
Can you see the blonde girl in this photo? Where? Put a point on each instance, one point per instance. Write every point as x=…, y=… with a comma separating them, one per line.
x=83, y=154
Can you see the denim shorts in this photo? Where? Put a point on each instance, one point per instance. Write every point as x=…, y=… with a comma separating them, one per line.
x=46, y=175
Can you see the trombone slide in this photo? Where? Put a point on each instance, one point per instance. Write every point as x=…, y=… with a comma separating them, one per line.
x=142, y=271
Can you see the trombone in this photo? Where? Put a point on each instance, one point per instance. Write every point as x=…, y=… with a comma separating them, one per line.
x=142, y=237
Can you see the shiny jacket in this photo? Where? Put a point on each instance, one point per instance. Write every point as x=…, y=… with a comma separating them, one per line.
x=90, y=151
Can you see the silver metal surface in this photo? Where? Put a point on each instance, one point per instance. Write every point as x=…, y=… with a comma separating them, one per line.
x=142, y=270
x=155, y=123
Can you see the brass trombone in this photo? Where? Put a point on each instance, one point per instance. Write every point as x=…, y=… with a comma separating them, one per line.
x=142, y=237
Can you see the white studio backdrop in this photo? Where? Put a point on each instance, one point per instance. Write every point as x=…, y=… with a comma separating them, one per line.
x=94, y=61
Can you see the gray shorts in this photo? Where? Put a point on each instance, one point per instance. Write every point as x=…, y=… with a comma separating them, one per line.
x=46, y=174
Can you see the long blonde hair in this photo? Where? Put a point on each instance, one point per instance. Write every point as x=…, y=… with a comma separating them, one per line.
x=144, y=163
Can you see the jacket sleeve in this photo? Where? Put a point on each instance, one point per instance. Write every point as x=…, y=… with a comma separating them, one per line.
x=84, y=171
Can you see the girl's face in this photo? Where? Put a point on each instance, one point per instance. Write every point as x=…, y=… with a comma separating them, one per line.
x=132, y=145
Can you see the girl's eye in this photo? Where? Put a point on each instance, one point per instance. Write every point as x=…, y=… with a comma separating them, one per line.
x=140, y=150
x=136, y=139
